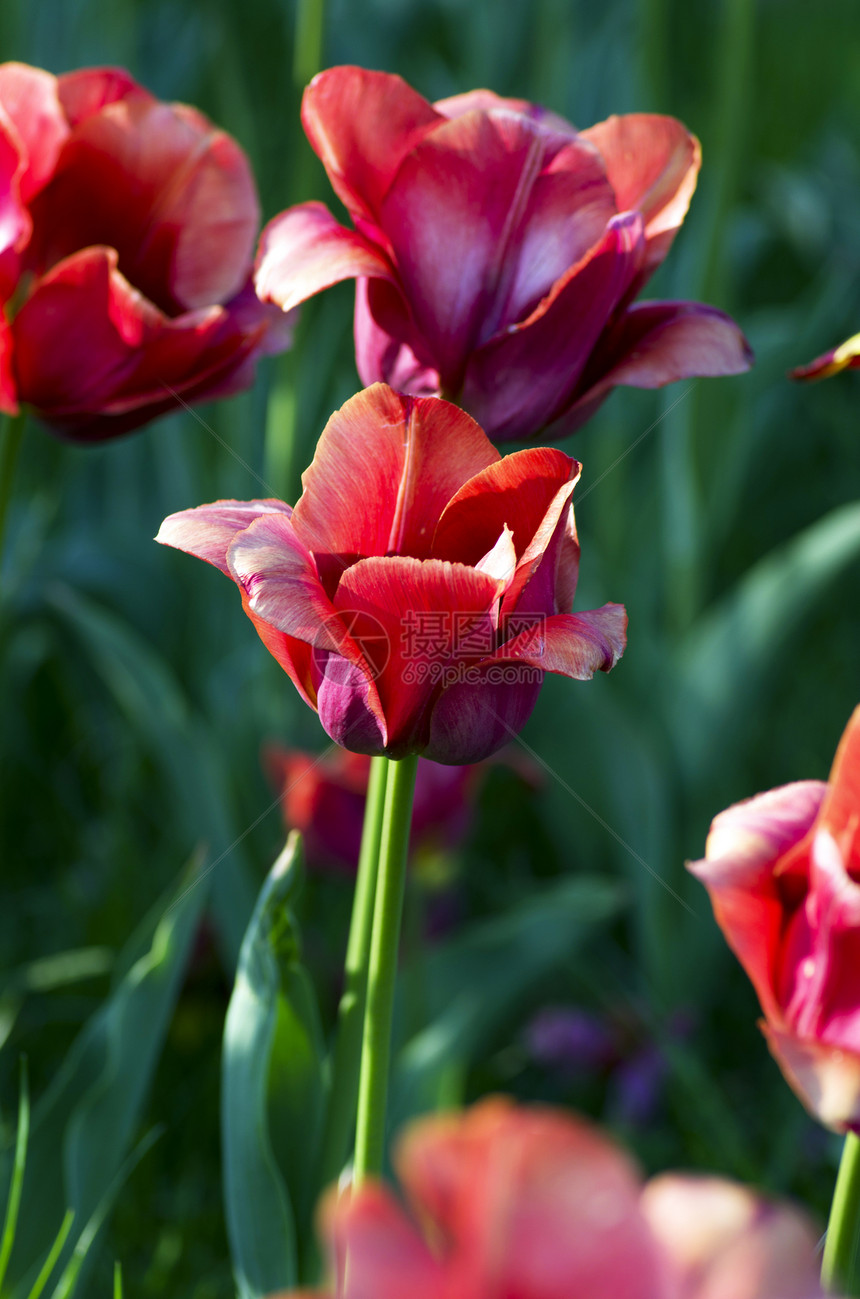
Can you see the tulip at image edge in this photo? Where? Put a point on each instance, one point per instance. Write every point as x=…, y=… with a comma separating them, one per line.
x=420, y=589
x=498, y=251
x=783, y=873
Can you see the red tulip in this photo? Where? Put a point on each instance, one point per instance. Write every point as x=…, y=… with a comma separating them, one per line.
x=783, y=873
x=498, y=251
x=127, y=231
x=844, y=357
x=535, y=1204
x=419, y=590
x=324, y=797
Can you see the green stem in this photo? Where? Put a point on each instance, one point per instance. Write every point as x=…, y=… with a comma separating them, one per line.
x=382, y=971
x=307, y=51
x=10, y=445
x=840, y=1268
x=346, y=1055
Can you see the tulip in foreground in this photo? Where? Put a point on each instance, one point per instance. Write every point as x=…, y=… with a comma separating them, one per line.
x=421, y=588
x=532, y=1203
x=783, y=873
x=127, y=232
x=844, y=357
x=498, y=251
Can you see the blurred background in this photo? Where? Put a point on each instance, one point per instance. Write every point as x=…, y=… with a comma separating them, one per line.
x=724, y=514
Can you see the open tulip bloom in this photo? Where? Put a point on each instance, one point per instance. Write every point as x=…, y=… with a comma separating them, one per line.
x=127, y=231
x=422, y=586
x=533, y=1203
x=498, y=251
x=783, y=873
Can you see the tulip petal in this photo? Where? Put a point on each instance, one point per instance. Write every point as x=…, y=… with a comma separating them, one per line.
x=725, y=1242
x=348, y=705
x=523, y=378
x=361, y=124
x=387, y=1257
x=844, y=357
x=745, y=844
x=486, y=100
x=184, y=229
x=15, y=223
x=653, y=163
x=305, y=250
x=483, y=216
x=840, y=811
x=297, y=658
x=381, y=355
x=474, y=718
x=209, y=530
x=88, y=90
x=384, y=469
x=415, y=621
x=573, y=645
x=826, y=1078
x=28, y=96
x=8, y=394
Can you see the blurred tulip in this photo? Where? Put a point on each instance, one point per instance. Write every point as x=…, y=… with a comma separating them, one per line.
x=324, y=797
x=844, y=357
x=532, y=1203
x=498, y=250
x=418, y=592
x=127, y=232
x=783, y=873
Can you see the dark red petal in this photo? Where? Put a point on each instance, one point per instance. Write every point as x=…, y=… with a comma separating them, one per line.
x=348, y=705
x=413, y=619
x=177, y=202
x=483, y=216
x=304, y=250
x=572, y=644
x=520, y=380
x=88, y=90
x=472, y=719
x=208, y=530
x=361, y=124
x=29, y=98
x=385, y=356
x=653, y=163
x=385, y=467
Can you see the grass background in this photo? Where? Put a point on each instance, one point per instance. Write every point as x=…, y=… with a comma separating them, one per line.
x=724, y=514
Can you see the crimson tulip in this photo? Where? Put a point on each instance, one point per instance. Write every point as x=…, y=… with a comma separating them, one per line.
x=419, y=591
x=127, y=231
x=498, y=250
x=783, y=874
x=844, y=357
x=533, y=1203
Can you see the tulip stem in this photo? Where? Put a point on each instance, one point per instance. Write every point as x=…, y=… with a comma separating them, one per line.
x=10, y=445
x=307, y=51
x=346, y=1054
x=840, y=1268
x=382, y=970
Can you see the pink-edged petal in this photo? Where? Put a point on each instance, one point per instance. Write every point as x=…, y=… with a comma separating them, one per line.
x=15, y=223
x=571, y=644
x=387, y=1257
x=361, y=124
x=415, y=621
x=382, y=355
x=844, y=357
x=28, y=96
x=88, y=90
x=826, y=1078
x=516, y=491
x=208, y=530
x=385, y=467
x=305, y=250
x=653, y=163
x=745, y=845
x=521, y=380
x=177, y=201
x=722, y=1241
x=483, y=216
x=8, y=391
x=529, y=1202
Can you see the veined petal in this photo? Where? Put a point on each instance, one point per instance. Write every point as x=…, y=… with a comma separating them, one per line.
x=572, y=644
x=385, y=467
x=361, y=124
x=29, y=98
x=844, y=357
x=483, y=216
x=653, y=163
x=209, y=530
x=523, y=378
x=305, y=250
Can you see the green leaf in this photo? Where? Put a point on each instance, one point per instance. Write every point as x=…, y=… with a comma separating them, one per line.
x=85, y=1123
x=13, y=1201
x=726, y=662
x=478, y=980
x=274, y=1088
